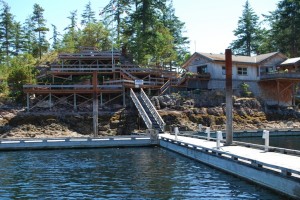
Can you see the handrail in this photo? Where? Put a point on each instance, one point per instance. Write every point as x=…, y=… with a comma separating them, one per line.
x=164, y=87
x=140, y=109
x=153, y=111
x=128, y=74
x=181, y=80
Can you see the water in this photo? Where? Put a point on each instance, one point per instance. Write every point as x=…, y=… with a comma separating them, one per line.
x=112, y=173
x=289, y=142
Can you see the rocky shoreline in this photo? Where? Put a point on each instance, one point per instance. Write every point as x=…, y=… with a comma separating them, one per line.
x=185, y=111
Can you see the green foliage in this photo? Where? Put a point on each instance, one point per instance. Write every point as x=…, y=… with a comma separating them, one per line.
x=248, y=33
x=245, y=90
x=284, y=22
x=21, y=72
x=39, y=23
x=88, y=15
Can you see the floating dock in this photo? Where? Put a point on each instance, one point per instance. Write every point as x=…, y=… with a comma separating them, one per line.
x=279, y=172
x=71, y=143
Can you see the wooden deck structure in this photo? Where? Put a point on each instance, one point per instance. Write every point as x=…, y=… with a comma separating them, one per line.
x=108, y=75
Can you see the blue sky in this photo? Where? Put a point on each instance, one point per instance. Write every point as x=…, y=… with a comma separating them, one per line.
x=209, y=23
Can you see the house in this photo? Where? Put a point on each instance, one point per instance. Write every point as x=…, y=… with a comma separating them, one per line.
x=245, y=69
x=271, y=76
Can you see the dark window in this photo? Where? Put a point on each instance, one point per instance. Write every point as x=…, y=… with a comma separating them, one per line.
x=242, y=71
x=223, y=70
x=202, y=69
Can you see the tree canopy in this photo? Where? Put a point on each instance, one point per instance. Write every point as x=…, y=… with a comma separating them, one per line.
x=248, y=33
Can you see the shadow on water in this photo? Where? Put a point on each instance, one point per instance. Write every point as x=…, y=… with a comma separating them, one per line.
x=117, y=173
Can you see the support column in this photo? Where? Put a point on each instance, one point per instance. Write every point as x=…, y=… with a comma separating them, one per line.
x=75, y=102
x=101, y=100
x=95, y=104
x=27, y=97
x=124, y=97
x=229, y=107
x=50, y=100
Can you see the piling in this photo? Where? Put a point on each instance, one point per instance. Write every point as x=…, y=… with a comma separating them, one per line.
x=229, y=107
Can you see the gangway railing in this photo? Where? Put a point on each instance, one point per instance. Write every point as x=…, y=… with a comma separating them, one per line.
x=164, y=88
x=153, y=111
x=141, y=109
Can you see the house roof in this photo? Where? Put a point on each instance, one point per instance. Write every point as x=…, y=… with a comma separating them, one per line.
x=291, y=61
x=235, y=58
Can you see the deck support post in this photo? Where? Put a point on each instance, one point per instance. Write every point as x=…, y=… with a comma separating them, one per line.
x=27, y=97
x=95, y=104
x=75, y=102
x=229, y=107
x=50, y=100
x=124, y=97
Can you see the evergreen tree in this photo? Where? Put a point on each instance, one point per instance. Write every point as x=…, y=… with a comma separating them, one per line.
x=56, y=40
x=88, y=15
x=30, y=42
x=70, y=39
x=248, y=33
x=18, y=38
x=6, y=30
x=176, y=27
x=285, y=28
x=39, y=23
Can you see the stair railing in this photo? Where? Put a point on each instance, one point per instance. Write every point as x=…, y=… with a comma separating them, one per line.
x=153, y=111
x=141, y=110
x=128, y=74
x=165, y=87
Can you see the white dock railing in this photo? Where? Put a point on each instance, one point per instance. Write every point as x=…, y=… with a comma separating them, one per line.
x=153, y=111
x=140, y=109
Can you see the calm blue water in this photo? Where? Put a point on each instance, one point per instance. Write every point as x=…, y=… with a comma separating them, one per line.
x=112, y=173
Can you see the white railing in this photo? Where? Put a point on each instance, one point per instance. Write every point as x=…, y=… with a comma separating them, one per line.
x=153, y=111
x=141, y=110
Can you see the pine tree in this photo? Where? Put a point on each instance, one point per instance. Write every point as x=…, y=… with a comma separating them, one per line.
x=40, y=27
x=70, y=39
x=6, y=30
x=30, y=42
x=56, y=40
x=247, y=33
x=285, y=27
x=18, y=38
x=88, y=15
x=176, y=27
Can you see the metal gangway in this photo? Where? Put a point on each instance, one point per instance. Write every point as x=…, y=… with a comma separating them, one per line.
x=147, y=111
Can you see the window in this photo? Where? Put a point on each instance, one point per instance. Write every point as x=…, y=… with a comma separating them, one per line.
x=223, y=70
x=242, y=71
x=202, y=69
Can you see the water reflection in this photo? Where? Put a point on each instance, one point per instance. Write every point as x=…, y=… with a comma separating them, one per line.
x=125, y=173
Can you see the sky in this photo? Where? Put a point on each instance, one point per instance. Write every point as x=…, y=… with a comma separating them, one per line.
x=209, y=24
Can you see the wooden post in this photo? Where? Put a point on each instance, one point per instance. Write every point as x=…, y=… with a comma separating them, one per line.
x=229, y=107
x=50, y=100
x=124, y=97
x=95, y=104
x=75, y=102
x=27, y=102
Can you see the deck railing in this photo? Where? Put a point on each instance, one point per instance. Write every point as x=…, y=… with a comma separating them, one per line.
x=141, y=109
x=153, y=111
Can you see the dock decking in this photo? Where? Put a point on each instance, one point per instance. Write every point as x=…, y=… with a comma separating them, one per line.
x=277, y=171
